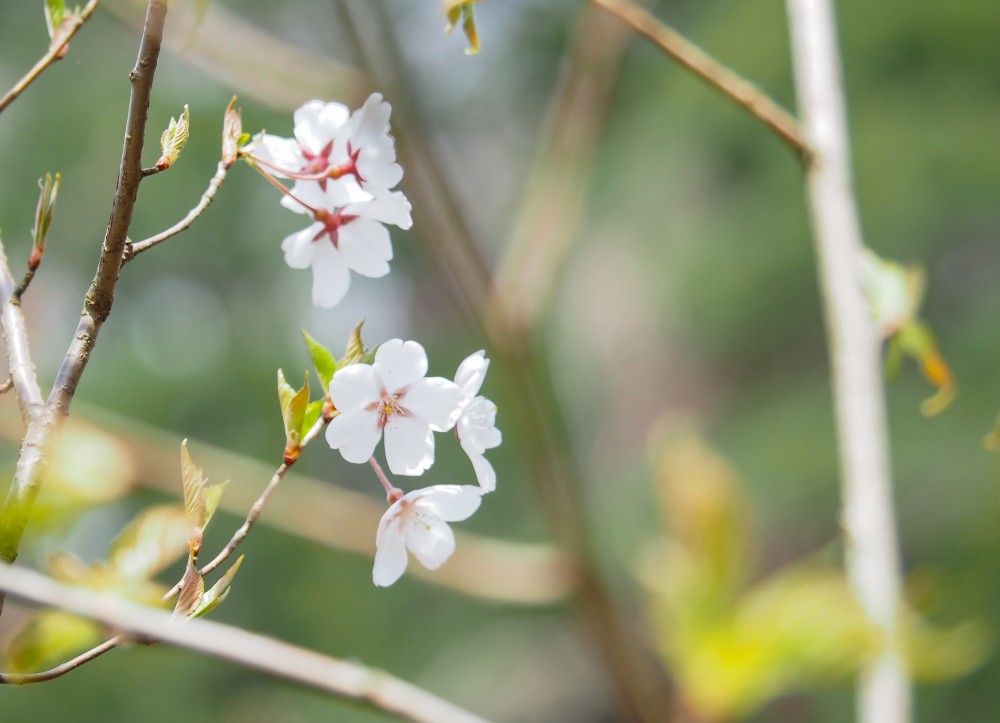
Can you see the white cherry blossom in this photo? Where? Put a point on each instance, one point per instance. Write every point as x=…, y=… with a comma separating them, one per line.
x=476, y=425
x=347, y=234
x=393, y=395
x=418, y=521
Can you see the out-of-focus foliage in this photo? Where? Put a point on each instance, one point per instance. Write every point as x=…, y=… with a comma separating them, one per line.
x=733, y=643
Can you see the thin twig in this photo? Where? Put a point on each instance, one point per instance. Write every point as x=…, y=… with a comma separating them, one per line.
x=23, y=286
x=61, y=670
x=639, y=684
x=872, y=554
x=740, y=90
x=53, y=54
x=226, y=642
x=43, y=430
x=7, y=385
x=15, y=334
x=133, y=249
x=151, y=171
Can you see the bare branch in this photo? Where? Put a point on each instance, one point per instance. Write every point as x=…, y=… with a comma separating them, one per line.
x=61, y=670
x=7, y=385
x=226, y=642
x=133, y=249
x=15, y=334
x=737, y=88
x=53, y=54
x=872, y=555
x=33, y=461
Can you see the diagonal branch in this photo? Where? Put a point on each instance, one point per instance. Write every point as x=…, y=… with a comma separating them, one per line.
x=53, y=54
x=67, y=667
x=870, y=538
x=40, y=438
x=226, y=642
x=737, y=88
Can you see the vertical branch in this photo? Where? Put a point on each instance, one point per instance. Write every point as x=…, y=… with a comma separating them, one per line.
x=15, y=336
x=631, y=669
x=872, y=555
x=36, y=448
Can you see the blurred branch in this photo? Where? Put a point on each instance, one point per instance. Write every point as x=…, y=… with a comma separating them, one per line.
x=872, y=555
x=7, y=385
x=252, y=62
x=134, y=249
x=738, y=89
x=61, y=670
x=226, y=642
x=552, y=204
x=43, y=430
x=15, y=335
x=54, y=53
x=539, y=419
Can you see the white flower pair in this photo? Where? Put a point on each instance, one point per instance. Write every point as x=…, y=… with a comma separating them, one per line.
x=393, y=396
x=344, y=166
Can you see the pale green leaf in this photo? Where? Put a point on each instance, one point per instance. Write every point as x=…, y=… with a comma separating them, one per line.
x=212, y=494
x=154, y=540
x=174, y=139
x=194, y=481
x=293, y=409
x=355, y=351
x=192, y=588
x=323, y=360
x=217, y=593
x=313, y=412
x=47, y=638
x=55, y=11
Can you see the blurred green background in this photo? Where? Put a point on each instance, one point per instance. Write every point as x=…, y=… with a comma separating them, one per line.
x=689, y=288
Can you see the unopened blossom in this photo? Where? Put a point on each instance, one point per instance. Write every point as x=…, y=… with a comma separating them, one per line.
x=418, y=522
x=476, y=425
x=332, y=143
x=347, y=234
x=395, y=397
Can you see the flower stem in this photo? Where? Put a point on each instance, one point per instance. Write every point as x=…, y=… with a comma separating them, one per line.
x=281, y=187
x=392, y=493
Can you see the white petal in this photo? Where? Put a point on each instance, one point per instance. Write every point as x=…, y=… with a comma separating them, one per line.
x=390, y=549
x=355, y=387
x=366, y=247
x=409, y=445
x=370, y=121
x=284, y=153
x=298, y=247
x=451, y=503
x=316, y=123
x=471, y=373
x=430, y=540
x=485, y=474
x=312, y=196
x=400, y=363
x=435, y=399
x=355, y=434
x=331, y=278
x=389, y=207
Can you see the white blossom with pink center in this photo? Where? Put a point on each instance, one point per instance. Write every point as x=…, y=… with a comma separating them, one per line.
x=418, y=522
x=347, y=234
x=393, y=396
x=476, y=425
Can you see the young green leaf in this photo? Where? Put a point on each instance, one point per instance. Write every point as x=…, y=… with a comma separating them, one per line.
x=218, y=592
x=233, y=137
x=155, y=539
x=173, y=139
x=323, y=360
x=55, y=11
x=200, y=498
x=192, y=588
x=462, y=10
x=313, y=411
x=293, y=412
x=355, y=351
x=49, y=637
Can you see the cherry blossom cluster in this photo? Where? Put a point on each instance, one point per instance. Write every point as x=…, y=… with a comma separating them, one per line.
x=393, y=398
x=344, y=168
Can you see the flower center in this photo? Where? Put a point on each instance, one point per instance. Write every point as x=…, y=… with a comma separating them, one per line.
x=389, y=407
x=332, y=221
x=318, y=164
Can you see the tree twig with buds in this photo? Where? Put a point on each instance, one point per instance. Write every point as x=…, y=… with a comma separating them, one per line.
x=55, y=52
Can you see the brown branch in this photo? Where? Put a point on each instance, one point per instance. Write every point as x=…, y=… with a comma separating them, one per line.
x=735, y=87
x=53, y=54
x=61, y=670
x=15, y=334
x=36, y=447
x=133, y=249
x=552, y=203
x=537, y=416
x=226, y=642
x=7, y=385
